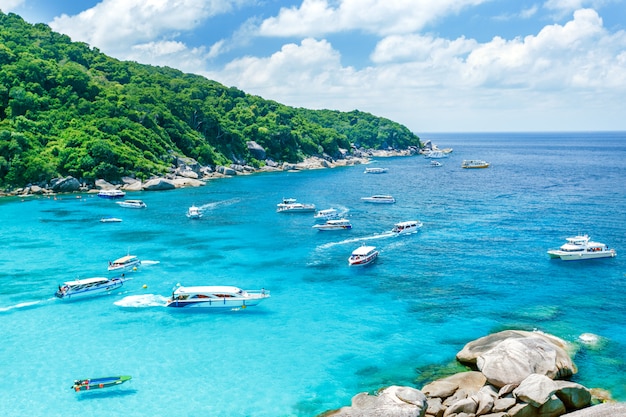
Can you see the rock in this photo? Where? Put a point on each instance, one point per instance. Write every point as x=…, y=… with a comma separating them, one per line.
x=256, y=150
x=66, y=185
x=393, y=401
x=104, y=185
x=601, y=410
x=468, y=406
x=536, y=390
x=158, y=184
x=573, y=395
x=181, y=182
x=503, y=404
x=187, y=173
x=512, y=360
x=133, y=186
x=225, y=170
x=470, y=382
x=552, y=408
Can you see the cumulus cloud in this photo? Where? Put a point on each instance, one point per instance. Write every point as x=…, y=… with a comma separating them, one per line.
x=10, y=5
x=119, y=26
x=319, y=17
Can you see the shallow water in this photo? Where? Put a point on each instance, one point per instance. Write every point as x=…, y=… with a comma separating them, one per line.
x=477, y=266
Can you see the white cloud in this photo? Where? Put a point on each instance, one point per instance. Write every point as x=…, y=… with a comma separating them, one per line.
x=318, y=17
x=416, y=77
x=10, y=5
x=117, y=26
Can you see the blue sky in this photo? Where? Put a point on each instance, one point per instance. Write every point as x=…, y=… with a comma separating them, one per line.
x=432, y=65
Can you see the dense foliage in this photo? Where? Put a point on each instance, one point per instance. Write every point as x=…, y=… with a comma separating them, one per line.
x=67, y=109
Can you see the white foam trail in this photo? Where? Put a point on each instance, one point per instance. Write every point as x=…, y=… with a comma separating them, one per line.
x=20, y=305
x=358, y=239
x=215, y=204
x=148, y=263
x=142, y=301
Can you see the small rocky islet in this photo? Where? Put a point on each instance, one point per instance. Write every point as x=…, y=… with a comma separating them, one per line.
x=513, y=373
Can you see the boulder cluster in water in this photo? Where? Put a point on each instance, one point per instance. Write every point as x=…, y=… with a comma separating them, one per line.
x=515, y=374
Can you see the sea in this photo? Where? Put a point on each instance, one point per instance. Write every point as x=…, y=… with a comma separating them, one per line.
x=329, y=331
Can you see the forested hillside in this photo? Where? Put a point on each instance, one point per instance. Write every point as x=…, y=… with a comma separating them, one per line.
x=67, y=109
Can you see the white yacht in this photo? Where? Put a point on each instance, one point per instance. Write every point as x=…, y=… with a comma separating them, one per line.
x=581, y=247
x=326, y=214
x=125, y=263
x=83, y=288
x=216, y=297
x=111, y=193
x=375, y=170
x=474, y=163
x=407, y=228
x=194, y=212
x=379, y=199
x=336, y=224
x=132, y=204
x=290, y=205
x=363, y=255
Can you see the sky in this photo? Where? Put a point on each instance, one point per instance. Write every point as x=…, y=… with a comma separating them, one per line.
x=431, y=65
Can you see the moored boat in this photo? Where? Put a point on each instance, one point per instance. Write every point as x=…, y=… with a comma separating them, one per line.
x=290, y=205
x=216, y=297
x=363, y=255
x=474, y=163
x=124, y=263
x=336, y=224
x=98, y=383
x=579, y=248
x=111, y=193
x=132, y=204
x=406, y=228
x=88, y=287
x=379, y=199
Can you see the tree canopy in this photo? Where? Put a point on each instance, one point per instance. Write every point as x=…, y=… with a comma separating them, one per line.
x=68, y=109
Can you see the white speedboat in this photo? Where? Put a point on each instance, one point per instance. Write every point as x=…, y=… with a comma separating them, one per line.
x=290, y=205
x=194, y=212
x=132, y=204
x=363, y=255
x=215, y=297
x=327, y=214
x=375, y=170
x=434, y=163
x=111, y=193
x=474, y=163
x=380, y=199
x=337, y=224
x=581, y=247
x=406, y=228
x=125, y=263
x=83, y=288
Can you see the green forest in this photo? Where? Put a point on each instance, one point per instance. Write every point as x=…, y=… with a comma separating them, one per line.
x=66, y=109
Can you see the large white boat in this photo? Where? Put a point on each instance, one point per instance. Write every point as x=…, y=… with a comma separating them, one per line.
x=111, y=193
x=363, y=255
x=194, y=212
x=125, y=263
x=83, y=288
x=337, y=224
x=581, y=247
x=380, y=199
x=132, y=204
x=375, y=170
x=474, y=163
x=222, y=296
x=436, y=154
x=406, y=228
x=290, y=205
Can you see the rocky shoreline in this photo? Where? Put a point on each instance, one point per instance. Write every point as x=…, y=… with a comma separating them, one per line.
x=186, y=172
x=512, y=373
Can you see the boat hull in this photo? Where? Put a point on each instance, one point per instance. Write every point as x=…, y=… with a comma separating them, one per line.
x=214, y=304
x=102, y=289
x=99, y=383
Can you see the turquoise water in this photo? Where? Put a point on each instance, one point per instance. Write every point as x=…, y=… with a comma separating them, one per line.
x=328, y=332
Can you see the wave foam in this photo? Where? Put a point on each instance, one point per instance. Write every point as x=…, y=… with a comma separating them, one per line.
x=141, y=301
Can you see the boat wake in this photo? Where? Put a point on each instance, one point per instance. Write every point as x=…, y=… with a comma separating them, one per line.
x=210, y=206
x=142, y=301
x=358, y=239
x=148, y=263
x=24, y=305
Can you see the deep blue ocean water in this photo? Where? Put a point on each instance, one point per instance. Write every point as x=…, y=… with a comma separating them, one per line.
x=328, y=332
